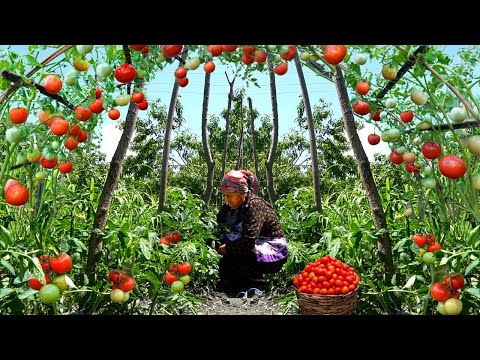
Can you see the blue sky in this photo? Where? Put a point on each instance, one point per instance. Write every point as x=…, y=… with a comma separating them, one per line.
x=288, y=96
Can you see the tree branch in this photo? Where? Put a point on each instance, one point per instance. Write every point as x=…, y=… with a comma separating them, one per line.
x=12, y=77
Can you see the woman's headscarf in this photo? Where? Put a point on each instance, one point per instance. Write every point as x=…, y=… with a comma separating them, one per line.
x=239, y=181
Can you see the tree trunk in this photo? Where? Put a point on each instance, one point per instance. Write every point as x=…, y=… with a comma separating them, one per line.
x=206, y=148
x=273, y=148
x=166, y=143
x=254, y=140
x=227, y=123
x=311, y=134
x=101, y=216
x=240, y=142
x=378, y=214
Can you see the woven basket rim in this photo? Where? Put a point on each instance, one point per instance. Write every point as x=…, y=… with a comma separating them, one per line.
x=324, y=304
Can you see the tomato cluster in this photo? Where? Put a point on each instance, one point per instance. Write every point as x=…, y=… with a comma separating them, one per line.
x=447, y=294
x=121, y=285
x=178, y=276
x=428, y=245
x=170, y=238
x=327, y=276
x=60, y=265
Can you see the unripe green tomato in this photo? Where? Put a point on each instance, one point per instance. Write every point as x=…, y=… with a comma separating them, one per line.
x=408, y=211
x=161, y=58
x=283, y=49
x=84, y=49
x=453, y=306
x=304, y=55
x=48, y=153
x=476, y=181
x=126, y=296
x=62, y=156
x=427, y=170
x=428, y=258
x=272, y=47
x=383, y=115
x=429, y=183
x=276, y=58
x=401, y=150
x=422, y=252
x=441, y=308
x=13, y=135
x=117, y=295
x=49, y=293
x=21, y=158
x=40, y=175
x=390, y=103
x=360, y=59
x=55, y=145
x=177, y=286
x=60, y=282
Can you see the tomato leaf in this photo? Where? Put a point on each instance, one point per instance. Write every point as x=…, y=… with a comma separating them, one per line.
x=471, y=266
x=38, y=271
x=145, y=248
x=410, y=282
x=5, y=235
x=5, y=292
x=474, y=235
x=69, y=281
x=473, y=291
x=31, y=60
x=7, y=265
x=25, y=294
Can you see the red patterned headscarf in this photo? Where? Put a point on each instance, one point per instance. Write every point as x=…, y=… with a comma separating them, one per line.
x=234, y=182
x=252, y=180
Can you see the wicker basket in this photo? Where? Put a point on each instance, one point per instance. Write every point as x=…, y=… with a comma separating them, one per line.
x=315, y=304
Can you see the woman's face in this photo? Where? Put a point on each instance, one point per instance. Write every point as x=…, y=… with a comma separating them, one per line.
x=234, y=200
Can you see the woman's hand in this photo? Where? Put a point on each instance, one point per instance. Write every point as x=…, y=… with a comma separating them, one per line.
x=222, y=250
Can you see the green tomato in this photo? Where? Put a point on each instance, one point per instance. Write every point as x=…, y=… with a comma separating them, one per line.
x=122, y=100
x=60, y=282
x=40, y=175
x=272, y=47
x=71, y=79
x=49, y=293
x=422, y=252
x=177, y=286
x=390, y=103
x=476, y=181
x=473, y=144
x=441, y=308
x=185, y=279
x=84, y=49
x=283, y=49
x=401, y=150
x=48, y=153
x=103, y=70
x=429, y=182
x=427, y=170
x=161, y=58
x=21, y=158
x=13, y=135
x=428, y=258
x=126, y=296
x=62, y=156
x=453, y=306
x=117, y=295
x=193, y=63
x=55, y=145
x=141, y=73
x=457, y=114
x=360, y=59
x=304, y=55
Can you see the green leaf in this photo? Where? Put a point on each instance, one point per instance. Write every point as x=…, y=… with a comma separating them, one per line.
x=474, y=235
x=25, y=294
x=410, y=282
x=471, y=266
x=6, y=291
x=81, y=244
x=31, y=60
x=145, y=248
x=38, y=271
x=7, y=265
x=474, y=291
x=5, y=235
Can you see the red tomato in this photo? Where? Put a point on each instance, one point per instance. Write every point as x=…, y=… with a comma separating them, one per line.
x=452, y=166
x=281, y=69
x=125, y=73
x=173, y=268
x=361, y=108
x=82, y=136
x=176, y=237
x=36, y=284
x=59, y=126
x=457, y=281
x=18, y=115
x=138, y=97
x=143, y=105
x=440, y=292
x=411, y=167
x=209, y=66
x=334, y=54
x=247, y=59
x=52, y=84
x=430, y=238
x=45, y=117
x=113, y=114
x=419, y=239
x=362, y=88
x=431, y=150
x=115, y=275
x=180, y=73
x=215, y=50
x=137, y=47
x=98, y=93
x=406, y=116
x=48, y=164
x=170, y=277
x=164, y=240
x=373, y=139
x=65, y=167
x=289, y=55
x=436, y=246
x=260, y=56
x=171, y=50
x=71, y=143
x=396, y=157
x=184, y=268
x=61, y=264
x=248, y=49
x=127, y=284
x=8, y=183
x=82, y=114
x=182, y=82
x=376, y=116
x=229, y=48
x=96, y=107
x=17, y=195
